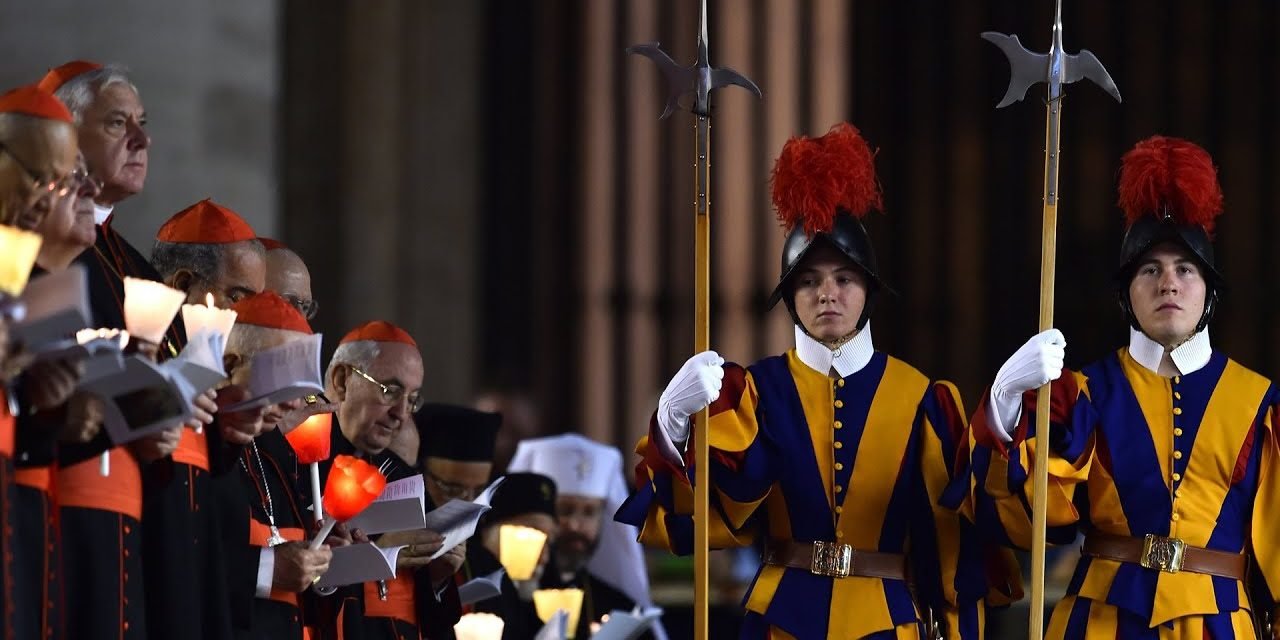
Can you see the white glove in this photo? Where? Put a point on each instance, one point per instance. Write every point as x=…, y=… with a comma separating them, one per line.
x=692, y=389
x=1034, y=364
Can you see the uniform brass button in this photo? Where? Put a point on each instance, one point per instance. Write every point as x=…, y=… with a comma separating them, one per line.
x=839, y=445
x=840, y=382
x=1177, y=395
x=1177, y=431
x=1177, y=411
x=839, y=466
x=1176, y=517
x=1177, y=455
x=839, y=404
x=839, y=425
x=839, y=488
x=839, y=509
x=839, y=534
x=1177, y=476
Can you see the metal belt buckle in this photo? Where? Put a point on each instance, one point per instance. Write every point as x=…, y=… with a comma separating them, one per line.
x=1165, y=554
x=832, y=560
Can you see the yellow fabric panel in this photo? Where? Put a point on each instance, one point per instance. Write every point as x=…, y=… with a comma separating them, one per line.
x=1102, y=620
x=765, y=586
x=1266, y=506
x=880, y=452
x=738, y=512
x=1227, y=422
x=1242, y=623
x=1106, y=512
x=817, y=396
x=953, y=622
x=1064, y=476
x=1097, y=582
x=908, y=631
x=1102, y=623
x=733, y=431
x=779, y=519
x=1182, y=594
x=858, y=608
x=1155, y=398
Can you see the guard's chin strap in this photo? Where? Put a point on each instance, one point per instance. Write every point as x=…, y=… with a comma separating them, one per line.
x=831, y=344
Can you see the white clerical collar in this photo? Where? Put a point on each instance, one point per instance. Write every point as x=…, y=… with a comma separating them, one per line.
x=101, y=213
x=847, y=360
x=1188, y=357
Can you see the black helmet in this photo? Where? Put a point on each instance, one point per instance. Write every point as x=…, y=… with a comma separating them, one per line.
x=821, y=189
x=847, y=236
x=1169, y=193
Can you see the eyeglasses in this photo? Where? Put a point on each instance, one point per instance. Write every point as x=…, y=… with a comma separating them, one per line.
x=59, y=187
x=307, y=308
x=392, y=394
x=453, y=490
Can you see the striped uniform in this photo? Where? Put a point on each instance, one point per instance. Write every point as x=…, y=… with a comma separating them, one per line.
x=863, y=460
x=1135, y=453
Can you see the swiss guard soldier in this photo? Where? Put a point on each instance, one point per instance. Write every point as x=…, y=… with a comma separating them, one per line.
x=835, y=454
x=1163, y=453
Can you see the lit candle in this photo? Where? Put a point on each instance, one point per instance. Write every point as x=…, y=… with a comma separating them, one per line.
x=198, y=317
x=310, y=442
x=519, y=549
x=478, y=626
x=548, y=601
x=352, y=486
x=149, y=308
x=19, y=249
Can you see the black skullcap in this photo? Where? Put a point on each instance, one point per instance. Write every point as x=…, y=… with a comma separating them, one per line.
x=457, y=433
x=521, y=494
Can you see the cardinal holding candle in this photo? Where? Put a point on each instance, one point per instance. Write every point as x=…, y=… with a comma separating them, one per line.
x=376, y=378
x=262, y=511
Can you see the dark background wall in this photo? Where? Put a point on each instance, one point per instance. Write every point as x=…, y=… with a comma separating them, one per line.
x=494, y=175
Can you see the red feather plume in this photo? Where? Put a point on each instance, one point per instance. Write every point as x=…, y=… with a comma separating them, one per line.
x=1170, y=174
x=814, y=178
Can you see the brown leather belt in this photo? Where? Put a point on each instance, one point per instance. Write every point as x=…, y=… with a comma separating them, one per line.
x=835, y=560
x=1170, y=555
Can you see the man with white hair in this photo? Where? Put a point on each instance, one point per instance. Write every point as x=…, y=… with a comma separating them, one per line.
x=261, y=511
x=592, y=552
x=375, y=376
x=37, y=152
x=37, y=157
x=101, y=516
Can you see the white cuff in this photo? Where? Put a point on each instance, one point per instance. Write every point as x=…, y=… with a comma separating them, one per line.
x=668, y=448
x=266, y=572
x=1003, y=413
x=439, y=593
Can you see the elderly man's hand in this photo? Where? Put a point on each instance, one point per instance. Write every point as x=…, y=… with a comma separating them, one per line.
x=157, y=445
x=297, y=566
x=202, y=409
x=238, y=427
x=51, y=383
x=85, y=413
x=13, y=361
x=445, y=566
x=420, y=545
